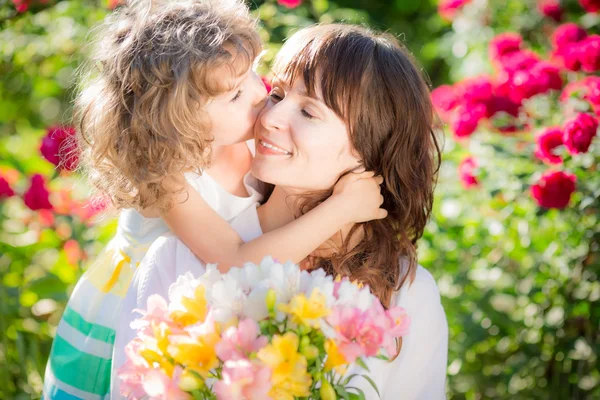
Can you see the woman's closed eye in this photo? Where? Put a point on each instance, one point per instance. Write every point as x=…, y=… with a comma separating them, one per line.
x=307, y=115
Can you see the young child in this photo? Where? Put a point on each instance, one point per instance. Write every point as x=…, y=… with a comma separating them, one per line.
x=164, y=120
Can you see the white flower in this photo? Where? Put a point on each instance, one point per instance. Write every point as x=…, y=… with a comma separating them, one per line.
x=350, y=295
x=285, y=280
x=226, y=298
x=256, y=305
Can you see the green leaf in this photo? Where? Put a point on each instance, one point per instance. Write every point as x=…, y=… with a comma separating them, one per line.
x=347, y=380
x=372, y=384
x=342, y=392
x=362, y=364
x=360, y=395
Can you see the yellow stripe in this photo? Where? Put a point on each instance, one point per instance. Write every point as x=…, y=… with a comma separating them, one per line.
x=117, y=271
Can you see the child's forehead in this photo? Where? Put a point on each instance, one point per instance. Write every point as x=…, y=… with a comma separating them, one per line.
x=230, y=73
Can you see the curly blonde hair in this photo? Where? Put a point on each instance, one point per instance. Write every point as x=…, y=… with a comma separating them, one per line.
x=140, y=114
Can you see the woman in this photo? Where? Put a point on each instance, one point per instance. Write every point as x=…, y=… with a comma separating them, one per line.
x=343, y=97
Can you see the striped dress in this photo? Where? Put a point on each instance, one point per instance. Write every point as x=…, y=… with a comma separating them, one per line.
x=79, y=366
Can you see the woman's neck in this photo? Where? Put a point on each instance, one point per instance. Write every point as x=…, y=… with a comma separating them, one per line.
x=280, y=209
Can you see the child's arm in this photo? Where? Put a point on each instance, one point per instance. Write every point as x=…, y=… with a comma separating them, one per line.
x=356, y=198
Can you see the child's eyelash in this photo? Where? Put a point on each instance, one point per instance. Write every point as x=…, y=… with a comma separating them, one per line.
x=237, y=96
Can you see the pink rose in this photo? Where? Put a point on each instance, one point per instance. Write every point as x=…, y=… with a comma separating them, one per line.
x=551, y=9
x=590, y=6
x=579, y=133
x=37, y=196
x=523, y=83
x=547, y=141
x=589, y=53
x=567, y=34
x=444, y=99
x=466, y=120
x=59, y=146
x=478, y=90
x=554, y=189
x=504, y=44
x=290, y=3
x=5, y=189
x=449, y=8
x=466, y=170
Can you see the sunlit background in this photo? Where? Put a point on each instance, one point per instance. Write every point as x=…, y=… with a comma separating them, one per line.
x=514, y=239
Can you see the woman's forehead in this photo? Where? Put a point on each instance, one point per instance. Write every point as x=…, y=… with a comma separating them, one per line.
x=299, y=85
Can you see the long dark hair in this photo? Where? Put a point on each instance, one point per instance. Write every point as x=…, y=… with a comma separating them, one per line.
x=371, y=81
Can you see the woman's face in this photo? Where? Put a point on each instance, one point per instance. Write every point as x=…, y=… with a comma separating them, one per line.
x=301, y=144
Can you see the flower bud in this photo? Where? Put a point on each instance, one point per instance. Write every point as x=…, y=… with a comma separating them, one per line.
x=271, y=300
x=305, y=341
x=326, y=391
x=188, y=381
x=310, y=352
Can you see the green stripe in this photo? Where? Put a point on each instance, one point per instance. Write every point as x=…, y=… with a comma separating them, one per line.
x=78, y=369
x=97, y=332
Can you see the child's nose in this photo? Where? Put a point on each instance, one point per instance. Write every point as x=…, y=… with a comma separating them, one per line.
x=260, y=91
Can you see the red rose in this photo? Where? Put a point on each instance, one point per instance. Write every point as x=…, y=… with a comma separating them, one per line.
x=21, y=5
x=504, y=44
x=502, y=104
x=554, y=189
x=5, y=189
x=515, y=70
x=466, y=170
x=466, y=119
x=59, y=146
x=567, y=34
x=579, y=133
x=551, y=9
x=525, y=83
x=478, y=90
x=448, y=8
x=589, y=53
x=547, y=141
x=37, y=196
x=587, y=89
x=290, y=3
x=590, y=5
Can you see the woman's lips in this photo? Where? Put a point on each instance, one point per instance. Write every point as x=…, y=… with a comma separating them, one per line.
x=267, y=147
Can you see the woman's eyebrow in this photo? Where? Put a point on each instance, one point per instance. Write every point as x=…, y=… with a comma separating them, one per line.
x=302, y=92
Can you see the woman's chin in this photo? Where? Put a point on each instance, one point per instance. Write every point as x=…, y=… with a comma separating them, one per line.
x=263, y=170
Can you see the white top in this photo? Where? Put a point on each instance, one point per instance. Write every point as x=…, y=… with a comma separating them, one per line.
x=135, y=233
x=419, y=372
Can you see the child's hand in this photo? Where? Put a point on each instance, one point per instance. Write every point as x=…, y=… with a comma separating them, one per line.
x=359, y=197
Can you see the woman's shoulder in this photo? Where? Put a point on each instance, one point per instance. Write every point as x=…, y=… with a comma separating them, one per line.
x=422, y=290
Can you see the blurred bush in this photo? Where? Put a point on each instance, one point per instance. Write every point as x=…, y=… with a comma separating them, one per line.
x=519, y=281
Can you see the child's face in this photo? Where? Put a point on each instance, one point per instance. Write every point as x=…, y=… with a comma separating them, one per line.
x=233, y=113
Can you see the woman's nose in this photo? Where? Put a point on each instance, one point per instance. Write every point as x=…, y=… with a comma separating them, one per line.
x=273, y=116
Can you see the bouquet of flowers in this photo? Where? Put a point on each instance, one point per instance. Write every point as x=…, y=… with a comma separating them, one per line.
x=259, y=332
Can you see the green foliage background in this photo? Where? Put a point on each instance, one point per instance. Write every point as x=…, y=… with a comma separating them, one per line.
x=519, y=285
